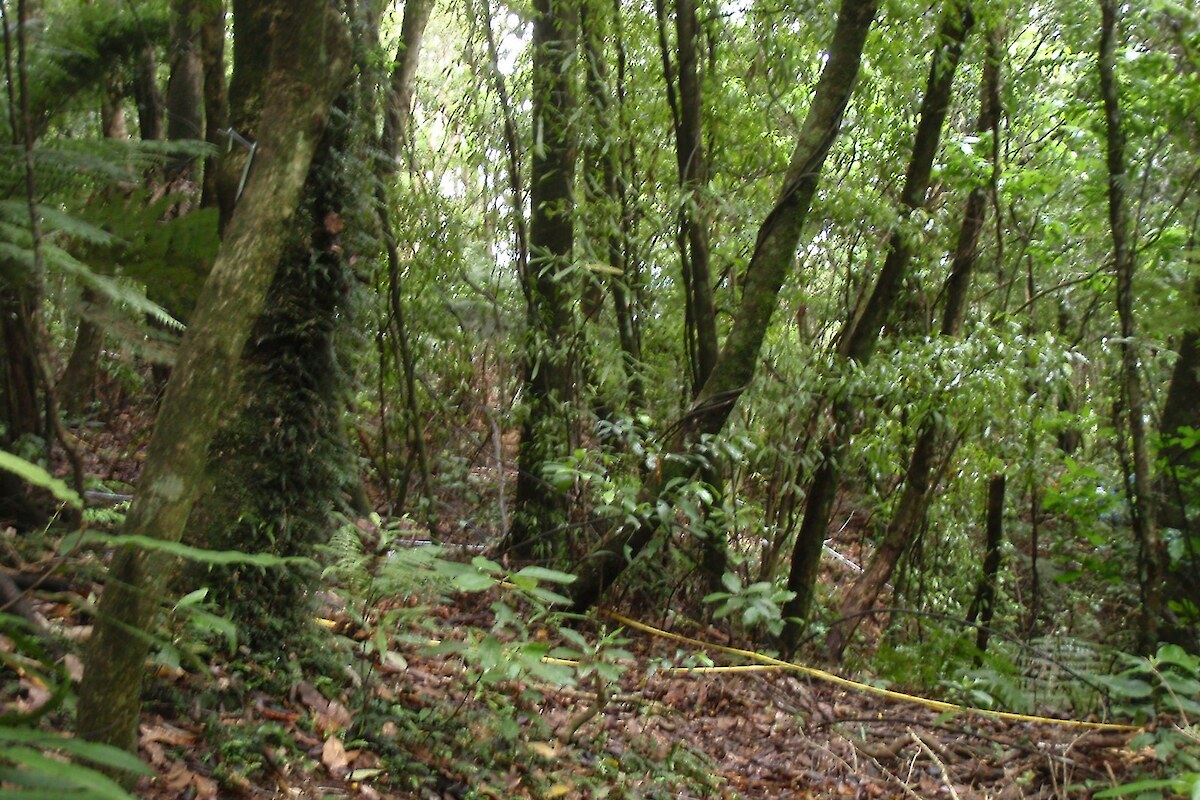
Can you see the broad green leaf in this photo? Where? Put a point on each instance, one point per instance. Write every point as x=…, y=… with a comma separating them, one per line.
x=544, y=574
x=32, y=473
x=180, y=550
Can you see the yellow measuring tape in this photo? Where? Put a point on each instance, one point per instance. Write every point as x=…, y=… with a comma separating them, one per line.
x=819, y=674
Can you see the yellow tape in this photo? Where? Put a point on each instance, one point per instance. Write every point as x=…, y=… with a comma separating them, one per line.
x=829, y=677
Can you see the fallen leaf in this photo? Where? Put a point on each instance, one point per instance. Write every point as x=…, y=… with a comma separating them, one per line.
x=333, y=756
x=335, y=717
x=74, y=667
x=167, y=734
x=177, y=778
x=545, y=750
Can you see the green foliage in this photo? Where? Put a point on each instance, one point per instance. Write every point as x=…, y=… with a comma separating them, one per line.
x=197, y=624
x=758, y=605
x=1167, y=683
x=35, y=475
x=39, y=765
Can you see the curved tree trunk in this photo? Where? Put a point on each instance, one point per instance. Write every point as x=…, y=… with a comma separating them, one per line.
x=862, y=594
x=861, y=335
x=772, y=261
x=307, y=57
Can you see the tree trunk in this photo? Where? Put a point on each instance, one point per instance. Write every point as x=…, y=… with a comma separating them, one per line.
x=398, y=108
x=983, y=606
x=772, y=261
x=307, y=56
x=1179, y=485
x=147, y=97
x=185, y=94
x=216, y=92
x=860, y=336
x=863, y=593
x=693, y=183
x=541, y=510
x=1150, y=571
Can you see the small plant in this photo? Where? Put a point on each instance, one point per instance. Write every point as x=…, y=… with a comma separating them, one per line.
x=35, y=763
x=1166, y=684
x=758, y=604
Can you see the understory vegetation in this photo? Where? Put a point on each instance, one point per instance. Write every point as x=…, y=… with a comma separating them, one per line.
x=567, y=398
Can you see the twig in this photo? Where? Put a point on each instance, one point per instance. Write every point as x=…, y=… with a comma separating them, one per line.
x=941, y=767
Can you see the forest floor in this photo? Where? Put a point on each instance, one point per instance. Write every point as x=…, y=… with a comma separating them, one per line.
x=424, y=723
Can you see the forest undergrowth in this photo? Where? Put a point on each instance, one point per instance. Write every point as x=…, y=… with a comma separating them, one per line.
x=434, y=672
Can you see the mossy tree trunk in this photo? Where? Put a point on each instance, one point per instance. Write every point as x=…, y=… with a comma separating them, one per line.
x=771, y=262
x=550, y=285
x=306, y=59
x=280, y=465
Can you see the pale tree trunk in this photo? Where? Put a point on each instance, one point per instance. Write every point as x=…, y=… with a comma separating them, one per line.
x=398, y=108
x=1150, y=571
x=772, y=261
x=861, y=335
x=308, y=58
x=77, y=386
x=910, y=510
x=550, y=288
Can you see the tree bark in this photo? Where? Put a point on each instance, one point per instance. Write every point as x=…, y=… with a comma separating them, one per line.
x=1150, y=558
x=307, y=61
x=398, y=108
x=860, y=336
x=693, y=183
x=146, y=95
x=772, y=261
x=185, y=93
x=983, y=605
x=541, y=510
x=216, y=92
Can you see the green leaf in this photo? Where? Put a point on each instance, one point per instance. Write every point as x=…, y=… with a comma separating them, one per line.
x=32, y=473
x=1138, y=786
x=103, y=754
x=180, y=550
x=73, y=776
x=543, y=574
x=486, y=565
x=192, y=598
x=549, y=597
